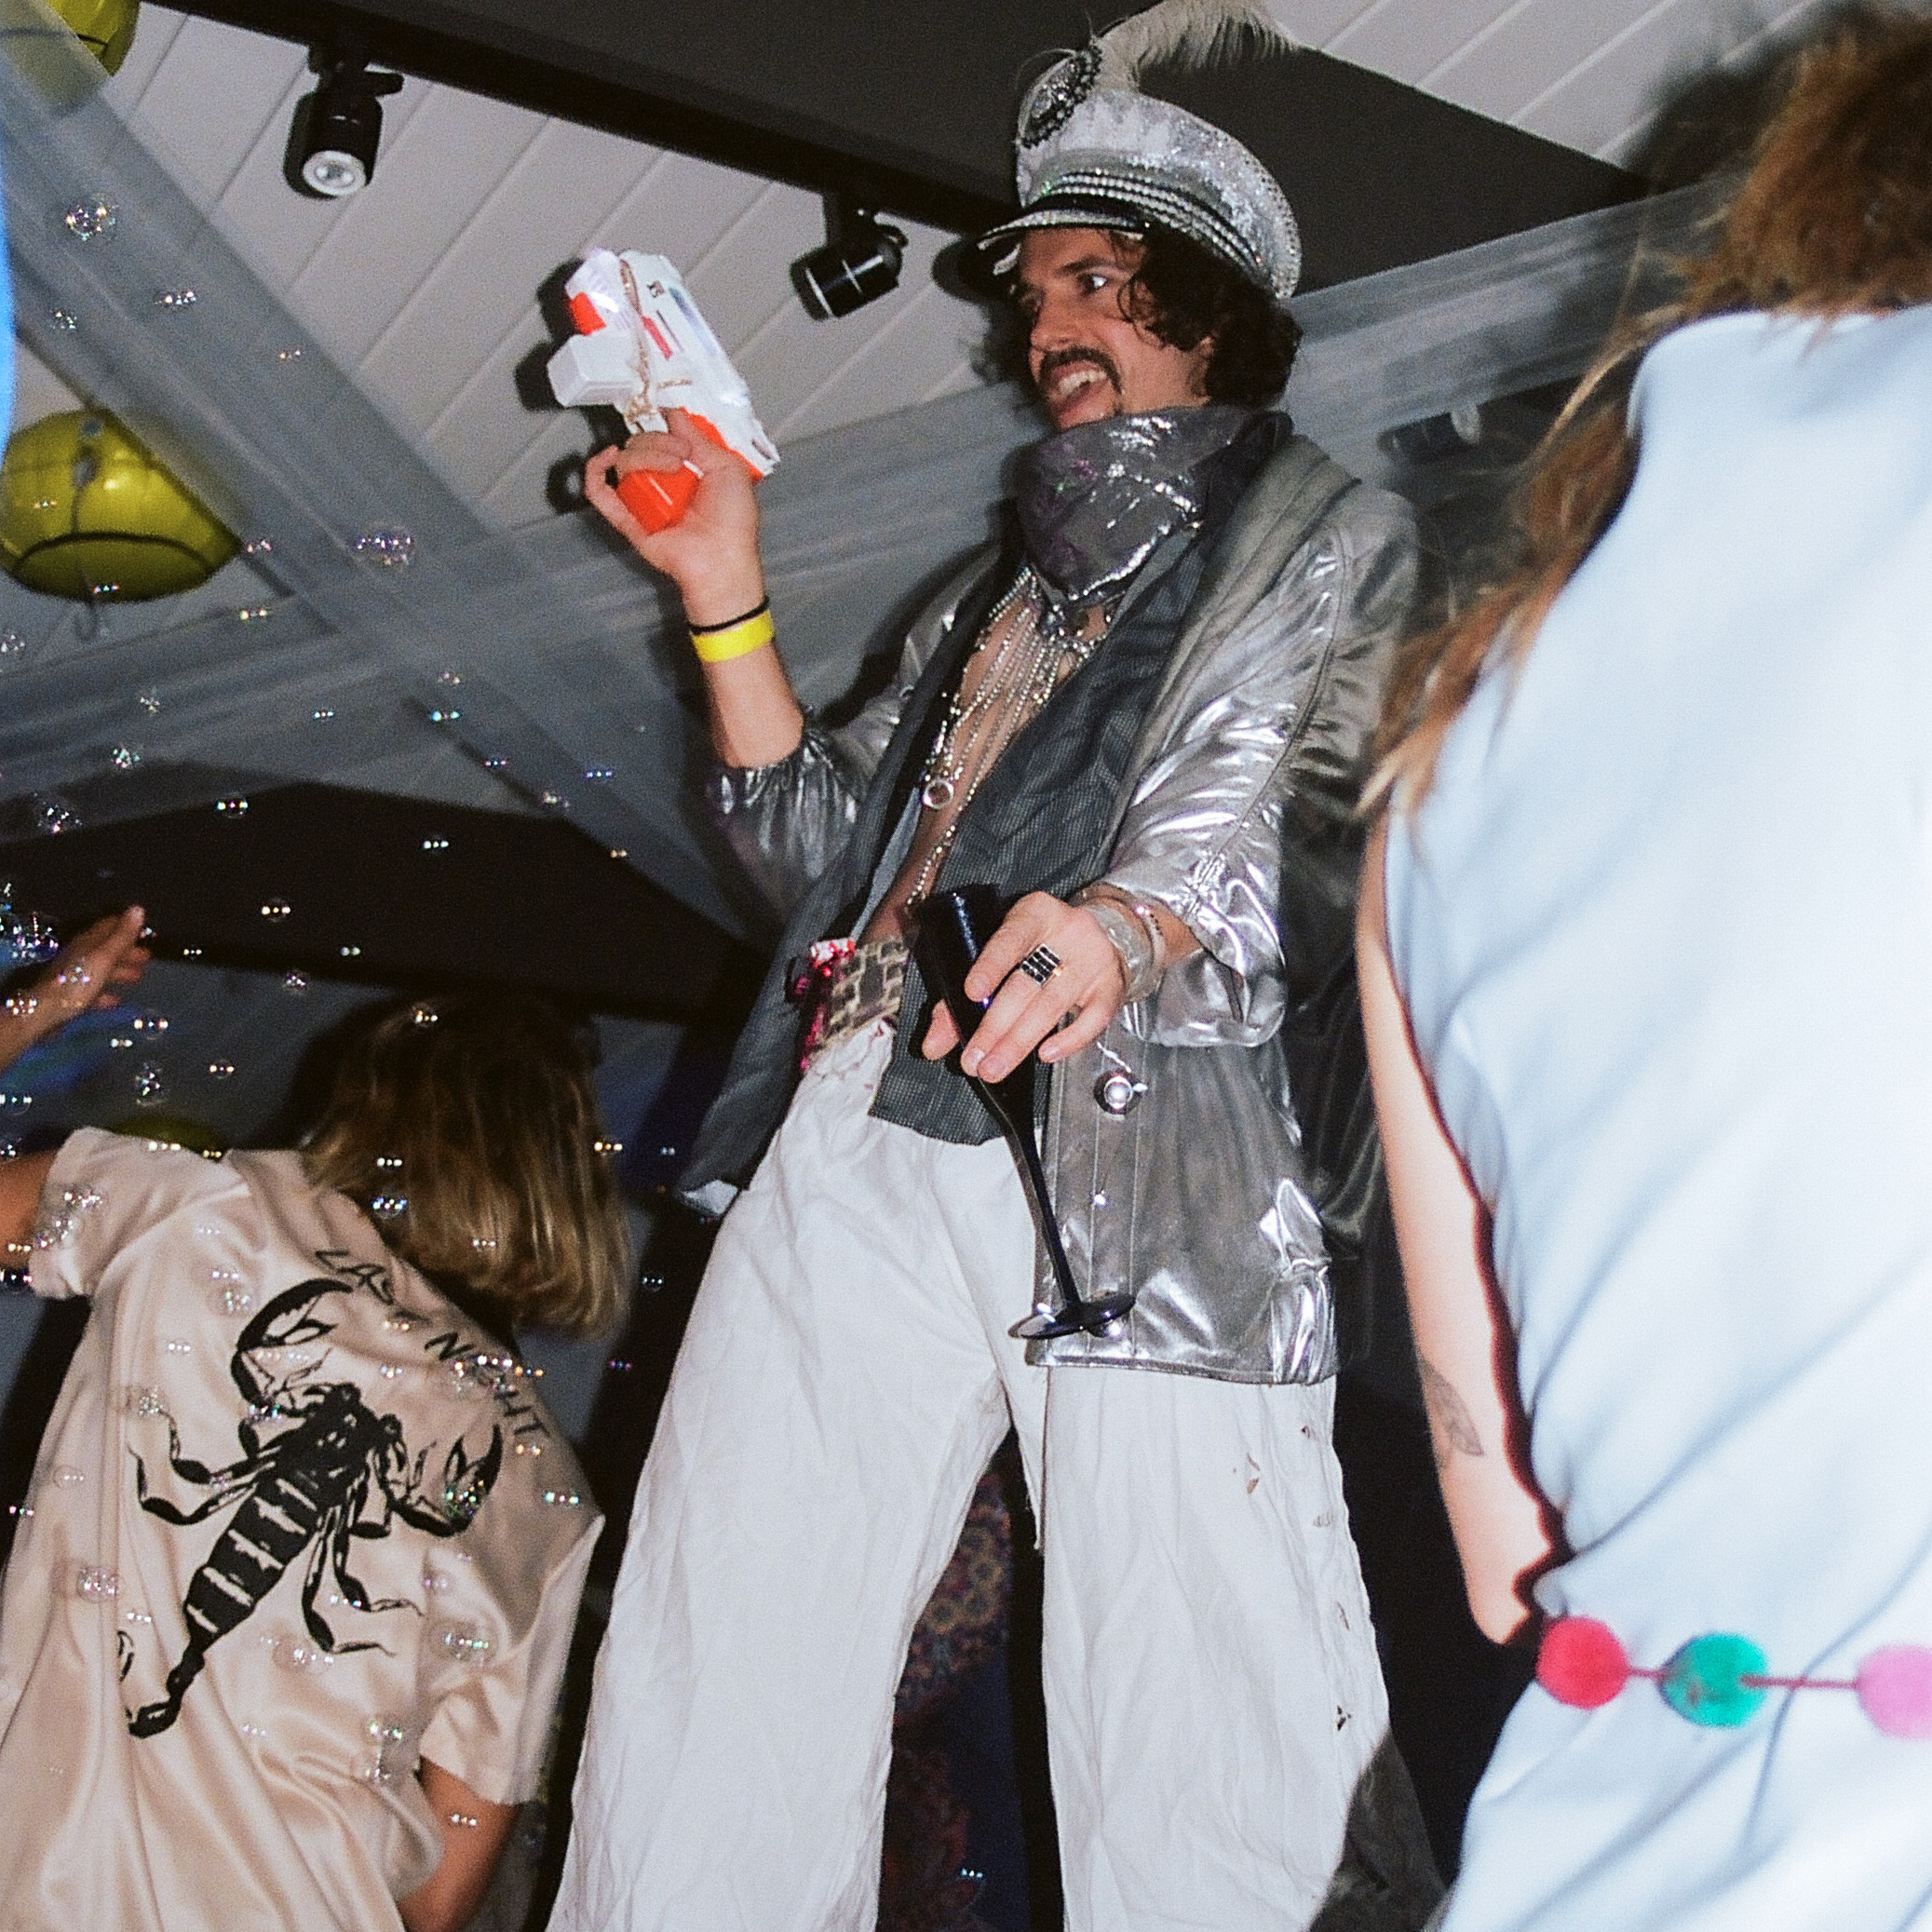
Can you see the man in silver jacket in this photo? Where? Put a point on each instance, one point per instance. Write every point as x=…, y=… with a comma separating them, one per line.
x=1143, y=719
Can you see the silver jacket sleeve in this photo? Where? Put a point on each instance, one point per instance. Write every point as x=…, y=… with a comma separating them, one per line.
x=1271, y=749
x=786, y=821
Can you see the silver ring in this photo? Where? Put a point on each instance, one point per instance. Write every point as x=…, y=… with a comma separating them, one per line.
x=1040, y=965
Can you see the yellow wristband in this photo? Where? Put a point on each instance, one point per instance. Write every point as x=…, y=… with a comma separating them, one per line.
x=736, y=641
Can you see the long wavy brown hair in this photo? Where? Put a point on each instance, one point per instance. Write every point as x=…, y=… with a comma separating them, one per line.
x=1834, y=218
x=467, y=1126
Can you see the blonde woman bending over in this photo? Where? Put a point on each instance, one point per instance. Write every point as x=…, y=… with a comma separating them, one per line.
x=284, y=1622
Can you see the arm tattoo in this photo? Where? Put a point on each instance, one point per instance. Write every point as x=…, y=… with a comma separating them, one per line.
x=1450, y=1424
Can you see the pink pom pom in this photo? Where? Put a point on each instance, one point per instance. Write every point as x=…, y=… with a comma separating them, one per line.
x=1894, y=1689
x=1580, y=1662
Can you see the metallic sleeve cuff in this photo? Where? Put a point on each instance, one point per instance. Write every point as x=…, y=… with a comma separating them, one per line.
x=1143, y=951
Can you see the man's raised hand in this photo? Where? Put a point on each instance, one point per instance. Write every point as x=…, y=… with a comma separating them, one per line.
x=711, y=553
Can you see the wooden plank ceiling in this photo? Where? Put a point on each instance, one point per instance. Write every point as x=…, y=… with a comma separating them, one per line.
x=426, y=287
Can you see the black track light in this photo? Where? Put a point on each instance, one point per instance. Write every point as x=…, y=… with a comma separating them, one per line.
x=859, y=262
x=339, y=126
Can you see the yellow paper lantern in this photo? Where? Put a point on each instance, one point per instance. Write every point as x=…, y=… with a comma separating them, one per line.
x=87, y=511
x=104, y=27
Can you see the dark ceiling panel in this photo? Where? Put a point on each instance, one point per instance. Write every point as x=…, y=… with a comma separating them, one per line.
x=424, y=895
x=911, y=104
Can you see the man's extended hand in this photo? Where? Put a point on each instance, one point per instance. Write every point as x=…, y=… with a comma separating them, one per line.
x=711, y=554
x=1089, y=985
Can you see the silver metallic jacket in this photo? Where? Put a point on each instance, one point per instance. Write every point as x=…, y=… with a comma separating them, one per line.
x=1170, y=1143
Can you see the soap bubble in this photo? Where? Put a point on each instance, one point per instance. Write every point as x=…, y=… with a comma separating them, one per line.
x=598, y=774
x=64, y=319
x=230, y=1298
x=52, y=816
x=150, y=1084
x=436, y=845
x=258, y=546
x=149, y=1022
x=149, y=701
x=93, y=221
x=387, y=545
x=221, y=1070
x=296, y=984
x=175, y=298
x=553, y=801
x=288, y=355
x=350, y=951
x=234, y=806
x=444, y=715
x=298, y=1653
x=389, y=1207
x=275, y=910
x=253, y=613
x=13, y=649
x=322, y=714
x=385, y=1760
x=59, y=1221
x=124, y=758
x=464, y=1643
x=449, y=678
x=560, y=1499
x=65, y=1476
x=95, y=1585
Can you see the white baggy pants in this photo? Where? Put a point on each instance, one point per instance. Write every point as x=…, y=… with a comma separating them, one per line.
x=1211, y=1685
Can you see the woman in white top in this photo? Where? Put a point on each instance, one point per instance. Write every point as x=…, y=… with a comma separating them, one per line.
x=1647, y=969
x=282, y=1628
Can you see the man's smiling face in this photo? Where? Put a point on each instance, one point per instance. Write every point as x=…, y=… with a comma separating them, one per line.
x=1087, y=357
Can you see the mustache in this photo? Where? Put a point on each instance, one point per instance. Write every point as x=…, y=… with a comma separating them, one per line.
x=1054, y=361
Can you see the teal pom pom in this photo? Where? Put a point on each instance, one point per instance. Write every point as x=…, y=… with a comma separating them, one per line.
x=1703, y=1682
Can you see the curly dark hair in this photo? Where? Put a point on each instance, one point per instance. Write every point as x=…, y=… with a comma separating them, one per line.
x=1180, y=295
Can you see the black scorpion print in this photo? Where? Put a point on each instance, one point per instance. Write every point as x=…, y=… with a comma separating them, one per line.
x=318, y=1468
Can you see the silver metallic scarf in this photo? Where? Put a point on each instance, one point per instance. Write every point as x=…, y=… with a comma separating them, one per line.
x=1095, y=501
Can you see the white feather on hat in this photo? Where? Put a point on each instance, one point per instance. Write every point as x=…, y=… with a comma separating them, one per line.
x=1093, y=150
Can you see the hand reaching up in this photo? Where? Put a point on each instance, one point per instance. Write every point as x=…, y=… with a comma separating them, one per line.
x=85, y=974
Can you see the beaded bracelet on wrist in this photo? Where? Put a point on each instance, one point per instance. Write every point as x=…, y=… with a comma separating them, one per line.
x=1138, y=964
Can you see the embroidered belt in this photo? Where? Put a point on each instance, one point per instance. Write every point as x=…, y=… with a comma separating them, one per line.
x=842, y=988
x=1720, y=1680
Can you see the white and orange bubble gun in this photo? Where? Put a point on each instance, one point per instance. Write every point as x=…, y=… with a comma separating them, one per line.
x=642, y=345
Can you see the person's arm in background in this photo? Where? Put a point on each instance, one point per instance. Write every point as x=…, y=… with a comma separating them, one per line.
x=473, y=1834
x=82, y=976
x=1463, y=1349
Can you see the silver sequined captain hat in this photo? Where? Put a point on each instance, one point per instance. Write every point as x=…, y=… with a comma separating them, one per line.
x=1094, y=151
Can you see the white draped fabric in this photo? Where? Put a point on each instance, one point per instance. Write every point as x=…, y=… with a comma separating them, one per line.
x=541, y=669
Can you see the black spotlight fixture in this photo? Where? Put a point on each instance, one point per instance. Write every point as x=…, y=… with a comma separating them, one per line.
x=339, y=126
x=859, y=262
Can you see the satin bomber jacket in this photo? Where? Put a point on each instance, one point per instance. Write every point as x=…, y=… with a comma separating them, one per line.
x=1170, y=1143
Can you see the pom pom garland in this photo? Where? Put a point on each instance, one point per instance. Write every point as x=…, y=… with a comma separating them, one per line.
x=1720, y=1680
